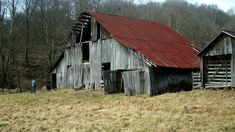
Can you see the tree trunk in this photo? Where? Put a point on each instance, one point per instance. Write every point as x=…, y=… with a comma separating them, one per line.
x=18, y=79
x=27, y=40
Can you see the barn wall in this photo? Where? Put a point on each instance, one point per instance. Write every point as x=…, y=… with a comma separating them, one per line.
x=217, y=71
x=217, y=66
x=97, y=31
x=136, y=82
x=121, y=58
x=93, y=29
x=169, y=80
x=222, y=46
x=72, y=72
x=196, y=79
x=95, y=64
x=233, y=64
x=60, y=74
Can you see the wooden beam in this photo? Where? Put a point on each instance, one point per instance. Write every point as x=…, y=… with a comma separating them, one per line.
x=80, y=23
x=85, y=16
x=81, y=36
x=80, y=26
x=77, y=29
x=233, y=65
x=202, y=71
x=84, y=20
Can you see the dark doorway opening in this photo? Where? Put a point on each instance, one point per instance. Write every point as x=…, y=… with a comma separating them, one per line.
x=120, y=83
x=98, y=31
x=113, y=82
x=106, y=66
x=53, y=77
x=85, y=52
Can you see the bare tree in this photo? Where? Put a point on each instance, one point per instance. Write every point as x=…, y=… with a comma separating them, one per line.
x=30, y=6
x=11, y=35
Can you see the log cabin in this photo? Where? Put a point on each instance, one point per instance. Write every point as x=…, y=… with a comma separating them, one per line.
x=217, y=61
x=125, y=55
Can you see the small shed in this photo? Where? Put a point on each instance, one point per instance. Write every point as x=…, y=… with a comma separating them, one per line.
x=217, y=68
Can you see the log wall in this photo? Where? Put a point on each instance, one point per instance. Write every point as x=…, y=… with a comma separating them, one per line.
x=217, y=71
x=196, y=79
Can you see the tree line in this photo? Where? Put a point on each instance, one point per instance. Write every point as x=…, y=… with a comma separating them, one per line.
x=33, y=32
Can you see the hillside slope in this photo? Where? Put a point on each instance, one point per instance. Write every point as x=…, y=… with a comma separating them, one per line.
x=70, y=110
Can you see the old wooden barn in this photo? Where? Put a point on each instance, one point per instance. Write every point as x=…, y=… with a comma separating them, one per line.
x=218, y=61
x=125, y=55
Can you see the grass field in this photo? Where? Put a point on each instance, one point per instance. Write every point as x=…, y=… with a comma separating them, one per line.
x=68, y=110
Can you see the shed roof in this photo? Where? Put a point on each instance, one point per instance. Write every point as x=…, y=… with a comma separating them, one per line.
x=157, y=42
x=206, y=48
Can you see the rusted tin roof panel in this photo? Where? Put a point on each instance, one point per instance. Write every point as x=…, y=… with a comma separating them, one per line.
x=158, y=43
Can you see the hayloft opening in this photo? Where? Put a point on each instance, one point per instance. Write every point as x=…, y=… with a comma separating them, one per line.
x=83, y=28
x=85, y=52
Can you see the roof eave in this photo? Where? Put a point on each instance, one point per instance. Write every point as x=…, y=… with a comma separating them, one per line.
x=207, y=46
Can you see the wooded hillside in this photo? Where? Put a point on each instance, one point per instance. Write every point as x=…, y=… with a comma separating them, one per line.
x=33, y=33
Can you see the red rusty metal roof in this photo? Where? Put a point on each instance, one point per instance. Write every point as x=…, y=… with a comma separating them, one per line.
x=157, y=42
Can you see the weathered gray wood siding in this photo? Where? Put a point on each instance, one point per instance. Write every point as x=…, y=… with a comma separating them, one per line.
x=222, y=46
x=217, y=63
x=217, y=66
x=233, y=63
x=120, y=58
x=217, y=71
x=196, y=79
x=71, y=72
x=136, y=82
x=169, y=80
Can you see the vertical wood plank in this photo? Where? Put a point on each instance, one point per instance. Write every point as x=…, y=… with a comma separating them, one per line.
x=202, y=71
x=233, y=64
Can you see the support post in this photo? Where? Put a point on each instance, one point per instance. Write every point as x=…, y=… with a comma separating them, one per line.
x=233, y=65
x=202, y=72
x=80, y=41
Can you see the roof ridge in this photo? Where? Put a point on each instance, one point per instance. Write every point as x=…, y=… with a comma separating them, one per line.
x=229, y=31
x=126, y=17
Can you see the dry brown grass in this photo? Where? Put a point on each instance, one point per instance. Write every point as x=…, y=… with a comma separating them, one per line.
x=68, y=110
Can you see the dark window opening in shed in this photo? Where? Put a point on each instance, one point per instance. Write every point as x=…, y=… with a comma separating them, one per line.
x=85, y=52
x=106, y=66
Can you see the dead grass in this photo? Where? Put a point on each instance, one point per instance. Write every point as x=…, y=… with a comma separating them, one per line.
x=68, y=110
